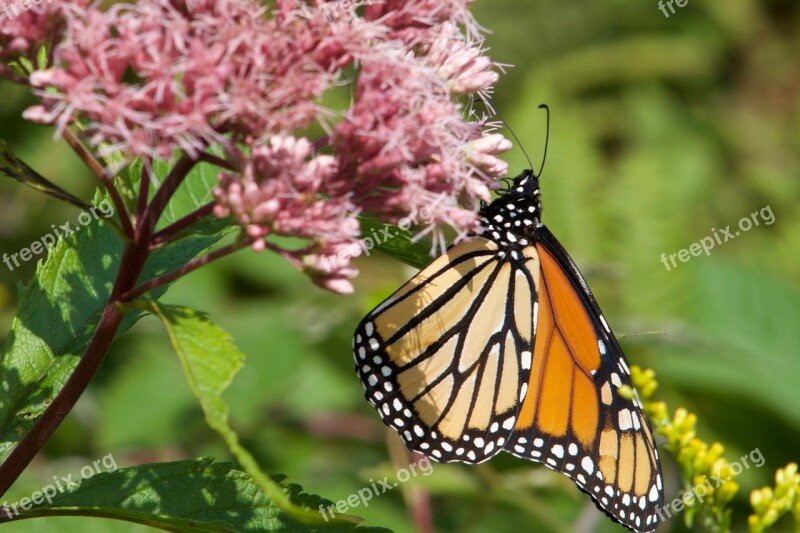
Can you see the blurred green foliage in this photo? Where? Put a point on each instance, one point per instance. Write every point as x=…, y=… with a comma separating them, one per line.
x=662, y=129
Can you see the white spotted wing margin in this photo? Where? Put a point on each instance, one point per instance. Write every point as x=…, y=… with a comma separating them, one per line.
x=446, y=359
x=617, y=466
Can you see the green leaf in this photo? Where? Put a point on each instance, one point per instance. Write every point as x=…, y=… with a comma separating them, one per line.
x=182, y=496
x=15, y=168
x=58, y=312
x=210, y=361
x=61, y=306
x=394, y=241
x=41, y=57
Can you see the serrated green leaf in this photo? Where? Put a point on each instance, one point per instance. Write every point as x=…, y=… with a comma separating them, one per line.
x=210, y=361
x=400, y=246
x=59, y=310
x=184, y=496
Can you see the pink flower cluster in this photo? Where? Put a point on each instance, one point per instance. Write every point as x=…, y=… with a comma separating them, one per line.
x=281, y=190
x=27, y=24
x=150, y=78
x=155, y=76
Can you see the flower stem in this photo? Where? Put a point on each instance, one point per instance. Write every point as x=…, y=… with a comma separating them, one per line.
x=144, y=190
x=133, y=259
x=163, y=236
x=97, y=169
x=132, y=262
x=163, y=195
x=63, y=403
x=217, y=161
x=185, y=269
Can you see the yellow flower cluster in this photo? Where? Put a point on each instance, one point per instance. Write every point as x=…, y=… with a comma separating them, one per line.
x=706, y=473
x=770, y=504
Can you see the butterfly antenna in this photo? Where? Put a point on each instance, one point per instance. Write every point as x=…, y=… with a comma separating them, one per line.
x=519, y=143
x=546, y=138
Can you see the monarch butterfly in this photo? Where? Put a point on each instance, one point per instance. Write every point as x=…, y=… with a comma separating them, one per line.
x=499, y=345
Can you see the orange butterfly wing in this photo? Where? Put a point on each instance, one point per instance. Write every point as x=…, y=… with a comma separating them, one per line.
x=572, y=418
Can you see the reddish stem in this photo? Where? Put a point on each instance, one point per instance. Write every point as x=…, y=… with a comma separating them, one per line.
x=133, y=260
x=217, y=161
x=144, y=190
x=97, y=169
x=182, y=271
x=162, y=196
x=132, y=263
x=163, y=236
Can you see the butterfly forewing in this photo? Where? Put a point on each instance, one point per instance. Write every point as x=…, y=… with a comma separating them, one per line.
x=573, y=419
x=440, y=358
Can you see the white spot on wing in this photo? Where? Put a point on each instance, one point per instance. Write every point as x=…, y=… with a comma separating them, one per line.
x=625, y=421
x=573, y=449
x=525, y=360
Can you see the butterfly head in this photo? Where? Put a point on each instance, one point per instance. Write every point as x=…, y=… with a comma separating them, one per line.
x=526, y=184
x=512, y=219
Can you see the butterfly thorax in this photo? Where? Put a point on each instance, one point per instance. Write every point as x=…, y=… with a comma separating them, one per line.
x=513, y=218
